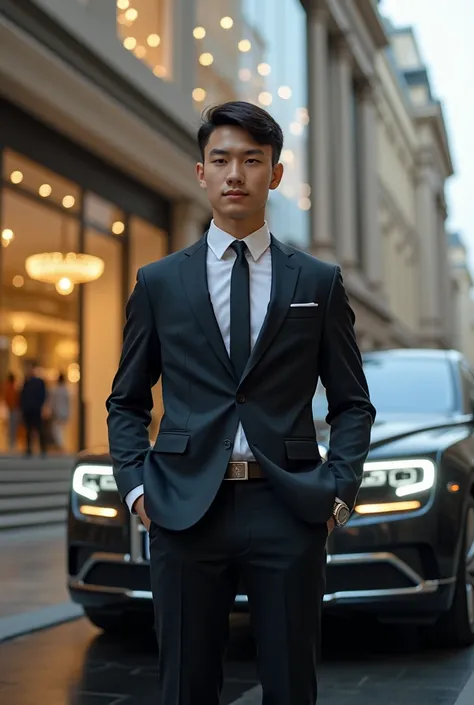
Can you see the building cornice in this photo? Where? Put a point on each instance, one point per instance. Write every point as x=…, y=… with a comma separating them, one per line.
x=370, y=13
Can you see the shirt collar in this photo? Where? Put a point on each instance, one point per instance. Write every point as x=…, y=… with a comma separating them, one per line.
x=257, y=242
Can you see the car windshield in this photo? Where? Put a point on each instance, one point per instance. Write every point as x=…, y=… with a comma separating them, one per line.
x=401, y=385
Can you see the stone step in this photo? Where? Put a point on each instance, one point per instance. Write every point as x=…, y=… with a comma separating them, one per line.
x=24, y=504
x=34, y=475
x=40, y=518
x=34, y=491
x=24, y=489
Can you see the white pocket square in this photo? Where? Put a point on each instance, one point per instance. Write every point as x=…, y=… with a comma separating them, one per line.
x=311, y=303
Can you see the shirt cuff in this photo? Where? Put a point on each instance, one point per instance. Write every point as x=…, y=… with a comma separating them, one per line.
x=132, y=497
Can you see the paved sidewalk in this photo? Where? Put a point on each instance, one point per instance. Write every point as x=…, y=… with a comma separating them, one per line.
x=33, y=590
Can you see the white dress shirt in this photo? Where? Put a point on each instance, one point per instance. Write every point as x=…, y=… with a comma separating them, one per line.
x=220, y=260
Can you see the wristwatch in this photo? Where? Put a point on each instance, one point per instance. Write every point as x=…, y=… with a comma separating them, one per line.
x=341, y=513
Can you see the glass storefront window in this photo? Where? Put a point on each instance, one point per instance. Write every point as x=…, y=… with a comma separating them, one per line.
x=246, y=51
x=145, y=28
x=37, y=322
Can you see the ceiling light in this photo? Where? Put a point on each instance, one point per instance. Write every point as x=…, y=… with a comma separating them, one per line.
x=18, y=325
x=54, y=267
x=118, y=227
x=131, y=14
x=285, y=92
x=265, y=98
x=64, y=286
x=264, y=69
x=206, y=59
x=227, y=22
x=45, y=190
x=244, y=45
x=68, y=201
x=130, y=43
x=199, y=32
x=153, y=40
x=7, y=237
x=19, y=345
x=199, y=94
x=16, y=177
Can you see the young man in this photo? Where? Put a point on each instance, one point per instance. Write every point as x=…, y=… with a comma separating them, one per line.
x=240, y=327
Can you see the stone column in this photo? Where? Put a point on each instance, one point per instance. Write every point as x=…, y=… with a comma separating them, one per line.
x=344, y=181
x=429, y=279
x=445, y=293
x=318, y=103
x=188, y=223
x=368, y=175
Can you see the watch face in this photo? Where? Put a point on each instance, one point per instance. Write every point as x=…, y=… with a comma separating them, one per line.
x=343, y=516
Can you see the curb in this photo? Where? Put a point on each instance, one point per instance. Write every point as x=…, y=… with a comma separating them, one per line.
x=20, y=624
x=254, y=696
x=467, y=694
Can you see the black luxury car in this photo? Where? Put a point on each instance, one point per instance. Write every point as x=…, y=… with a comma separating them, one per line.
x=407, y=554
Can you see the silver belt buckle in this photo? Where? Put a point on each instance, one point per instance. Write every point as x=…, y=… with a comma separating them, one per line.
x=238, y=470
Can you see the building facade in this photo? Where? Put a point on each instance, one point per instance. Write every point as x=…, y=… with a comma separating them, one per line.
x=99, y=107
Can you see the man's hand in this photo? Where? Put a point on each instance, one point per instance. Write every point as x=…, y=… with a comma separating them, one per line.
x=331, y=524
x=139, y=507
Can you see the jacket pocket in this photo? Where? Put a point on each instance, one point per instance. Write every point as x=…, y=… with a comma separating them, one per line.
x=303, y=312
x=302, y=449
x=168, y=442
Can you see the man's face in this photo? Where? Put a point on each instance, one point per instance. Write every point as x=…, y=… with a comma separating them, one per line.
x=237, y=173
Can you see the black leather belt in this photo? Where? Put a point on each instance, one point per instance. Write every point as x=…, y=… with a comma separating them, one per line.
x=244, y=470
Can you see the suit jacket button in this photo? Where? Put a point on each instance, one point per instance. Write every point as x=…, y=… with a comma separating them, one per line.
x=241, y=398
x=227, y=443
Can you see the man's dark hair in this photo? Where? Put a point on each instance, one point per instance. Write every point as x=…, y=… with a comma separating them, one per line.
x=257, y=122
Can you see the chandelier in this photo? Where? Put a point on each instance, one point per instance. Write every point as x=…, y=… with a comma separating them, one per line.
x=64, y=270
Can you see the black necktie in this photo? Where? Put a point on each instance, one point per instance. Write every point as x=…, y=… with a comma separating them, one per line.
x=239, y=310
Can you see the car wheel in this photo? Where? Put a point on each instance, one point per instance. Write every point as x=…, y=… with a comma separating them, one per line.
x=115, y=622
x=456, y=628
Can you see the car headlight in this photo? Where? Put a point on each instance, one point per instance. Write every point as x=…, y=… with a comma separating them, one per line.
x=406, y=477
x=89, y=480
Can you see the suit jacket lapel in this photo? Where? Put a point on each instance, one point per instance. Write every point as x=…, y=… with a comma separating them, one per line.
x=194, y=280
x=285, y=275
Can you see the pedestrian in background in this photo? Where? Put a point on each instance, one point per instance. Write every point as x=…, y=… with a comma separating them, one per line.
x=59, y=404
x=240, y=327
x=12, y=401
x=33, y=399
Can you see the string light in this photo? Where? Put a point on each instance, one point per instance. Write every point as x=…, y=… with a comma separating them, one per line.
x=206, y=59
x=227, y=22
x=199, y=32
x=265, y=98
x=130, y=43
x=244, y=45
x=285, y=92
x=153, y=40
x=199, y=94
x=264, y=69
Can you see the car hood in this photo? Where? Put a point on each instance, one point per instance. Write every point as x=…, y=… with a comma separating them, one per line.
x=411, y=434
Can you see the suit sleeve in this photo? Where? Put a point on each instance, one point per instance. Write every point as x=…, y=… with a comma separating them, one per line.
x=130, y=403
x=350, y=412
